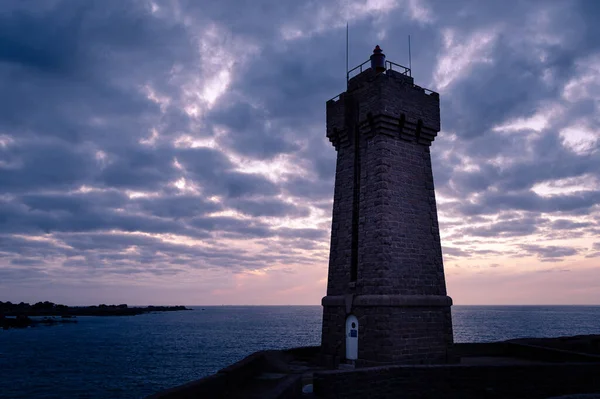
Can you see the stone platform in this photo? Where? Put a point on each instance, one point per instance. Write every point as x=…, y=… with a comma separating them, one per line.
x=529, y=368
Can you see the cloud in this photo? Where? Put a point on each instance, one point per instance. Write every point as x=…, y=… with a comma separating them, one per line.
x=565, y=224
x=549, y=252
x=185, y=141
x=508, y=228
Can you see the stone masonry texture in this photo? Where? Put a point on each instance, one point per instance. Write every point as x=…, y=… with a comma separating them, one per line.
x=399, y=293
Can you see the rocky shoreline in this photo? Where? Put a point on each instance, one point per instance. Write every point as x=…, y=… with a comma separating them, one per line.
x=20, y=315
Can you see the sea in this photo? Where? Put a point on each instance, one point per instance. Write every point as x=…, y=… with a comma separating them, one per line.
x=135, y=356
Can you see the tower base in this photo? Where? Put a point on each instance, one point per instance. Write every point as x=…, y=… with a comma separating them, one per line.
x=392, y=329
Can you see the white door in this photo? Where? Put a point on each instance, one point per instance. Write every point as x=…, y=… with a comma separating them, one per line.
x=351, y=338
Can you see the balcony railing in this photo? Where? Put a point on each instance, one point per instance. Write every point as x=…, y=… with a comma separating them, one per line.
x=388, y=65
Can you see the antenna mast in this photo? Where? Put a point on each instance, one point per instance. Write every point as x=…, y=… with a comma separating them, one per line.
x=409, y=58
x=346, y=54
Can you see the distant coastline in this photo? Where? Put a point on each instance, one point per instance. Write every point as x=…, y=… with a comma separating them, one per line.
x=19, y=315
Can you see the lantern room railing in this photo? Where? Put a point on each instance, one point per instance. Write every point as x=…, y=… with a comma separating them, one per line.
x=388, y=65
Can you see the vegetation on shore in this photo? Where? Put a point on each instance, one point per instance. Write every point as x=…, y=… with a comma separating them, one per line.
x=19, y=315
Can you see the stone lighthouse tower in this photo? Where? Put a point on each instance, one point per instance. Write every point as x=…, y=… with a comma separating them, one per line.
x=386, y=293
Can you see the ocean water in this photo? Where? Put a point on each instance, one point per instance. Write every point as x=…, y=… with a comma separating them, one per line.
x=131, y=357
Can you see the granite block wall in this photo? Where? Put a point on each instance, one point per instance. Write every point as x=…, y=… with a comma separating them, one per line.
x=400, y=252
x=391, y=334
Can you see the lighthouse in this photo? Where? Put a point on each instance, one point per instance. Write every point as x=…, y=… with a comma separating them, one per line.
x=386, y=299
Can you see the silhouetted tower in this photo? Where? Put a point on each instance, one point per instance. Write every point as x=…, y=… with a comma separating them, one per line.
x=386, y=293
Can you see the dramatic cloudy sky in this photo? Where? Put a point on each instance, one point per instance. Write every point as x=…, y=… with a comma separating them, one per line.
x=174, y=151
